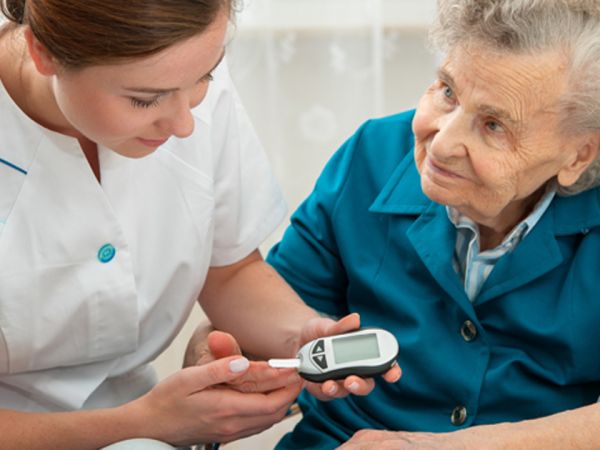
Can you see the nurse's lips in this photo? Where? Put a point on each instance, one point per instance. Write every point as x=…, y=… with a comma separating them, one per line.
x=153, y=142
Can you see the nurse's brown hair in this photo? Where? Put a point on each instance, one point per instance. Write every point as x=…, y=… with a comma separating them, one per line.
x=81, y=33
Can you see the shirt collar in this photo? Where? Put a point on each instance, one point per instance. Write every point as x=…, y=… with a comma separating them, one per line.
x=520, y=230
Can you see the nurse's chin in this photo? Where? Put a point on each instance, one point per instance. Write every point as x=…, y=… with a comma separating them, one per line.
x=133, y=151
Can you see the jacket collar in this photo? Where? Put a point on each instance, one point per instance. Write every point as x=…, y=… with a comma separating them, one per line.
x=578, y=213
x=402, y=193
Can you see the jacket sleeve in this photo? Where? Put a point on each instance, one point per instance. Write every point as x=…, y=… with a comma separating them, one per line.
x=308, y=256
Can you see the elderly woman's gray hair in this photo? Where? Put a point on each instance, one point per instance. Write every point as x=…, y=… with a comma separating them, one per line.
x=533, y=26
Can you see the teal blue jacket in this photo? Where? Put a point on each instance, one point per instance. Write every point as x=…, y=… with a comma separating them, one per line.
x=368, y=240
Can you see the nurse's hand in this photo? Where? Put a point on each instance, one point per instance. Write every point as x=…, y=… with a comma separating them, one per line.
x=260, y=377
x=321, y=326
x=196, y=405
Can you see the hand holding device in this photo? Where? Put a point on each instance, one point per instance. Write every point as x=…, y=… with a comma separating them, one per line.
x=365, y=353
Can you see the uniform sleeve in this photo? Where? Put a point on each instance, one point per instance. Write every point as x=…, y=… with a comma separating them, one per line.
x=308, y=256
x=249, y=204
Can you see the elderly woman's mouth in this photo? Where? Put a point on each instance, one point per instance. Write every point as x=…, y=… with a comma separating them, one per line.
x=439, y=170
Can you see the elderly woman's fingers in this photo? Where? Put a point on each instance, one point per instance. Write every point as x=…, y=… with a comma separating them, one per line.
x=358, y=386
x=322, y=326
x=393, y=374
x=223, y=344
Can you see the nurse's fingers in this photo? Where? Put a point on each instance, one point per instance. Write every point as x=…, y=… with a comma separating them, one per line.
x=198, y=378
x=263, y=404
x=239, y=426
x=252, y=425
x=260, y=377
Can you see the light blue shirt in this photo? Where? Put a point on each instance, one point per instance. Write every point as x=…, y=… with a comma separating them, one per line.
x=474, y=266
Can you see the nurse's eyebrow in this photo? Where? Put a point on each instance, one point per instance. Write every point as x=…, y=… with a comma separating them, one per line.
x=150, y=90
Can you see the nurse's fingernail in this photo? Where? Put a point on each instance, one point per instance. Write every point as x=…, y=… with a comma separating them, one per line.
x=353, y=386
x=332, y=390
x=239, y=365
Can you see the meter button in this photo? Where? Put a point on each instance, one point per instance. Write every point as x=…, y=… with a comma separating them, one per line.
x=319, y=347
x=320, y=361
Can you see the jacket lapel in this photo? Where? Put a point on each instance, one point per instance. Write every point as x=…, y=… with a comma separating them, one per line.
x=432, y=234
x=537, y=254
x=539, y=251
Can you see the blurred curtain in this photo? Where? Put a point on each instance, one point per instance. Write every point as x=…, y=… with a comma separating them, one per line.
x=311, y=71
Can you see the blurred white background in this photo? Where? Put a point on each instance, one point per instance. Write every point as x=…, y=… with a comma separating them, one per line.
x=309, y=73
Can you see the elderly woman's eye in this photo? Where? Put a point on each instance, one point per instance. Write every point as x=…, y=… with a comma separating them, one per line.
x=493, y=125
x=448, y=91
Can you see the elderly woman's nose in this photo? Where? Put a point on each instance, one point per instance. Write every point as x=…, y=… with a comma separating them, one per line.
x=451, y=136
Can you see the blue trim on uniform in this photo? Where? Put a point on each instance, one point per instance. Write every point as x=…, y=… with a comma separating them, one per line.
x=9, y=164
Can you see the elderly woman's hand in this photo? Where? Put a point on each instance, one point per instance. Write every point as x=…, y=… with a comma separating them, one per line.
x=401, y=440
x=319, y=327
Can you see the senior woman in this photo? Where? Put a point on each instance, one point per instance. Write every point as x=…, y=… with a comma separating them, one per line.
x=470, y=229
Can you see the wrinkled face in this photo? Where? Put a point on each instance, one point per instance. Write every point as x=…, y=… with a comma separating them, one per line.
x=487, y=133
x=133, y=108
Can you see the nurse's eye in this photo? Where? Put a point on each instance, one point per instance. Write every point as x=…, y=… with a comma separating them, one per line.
x=140, y=103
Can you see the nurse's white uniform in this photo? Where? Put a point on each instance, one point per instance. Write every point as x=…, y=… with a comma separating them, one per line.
x=97, y=279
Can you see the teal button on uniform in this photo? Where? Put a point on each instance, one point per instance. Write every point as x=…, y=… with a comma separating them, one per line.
x=106, y=253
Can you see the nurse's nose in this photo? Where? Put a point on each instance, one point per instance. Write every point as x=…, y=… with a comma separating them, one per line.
x=451, y=139
x=180, y=121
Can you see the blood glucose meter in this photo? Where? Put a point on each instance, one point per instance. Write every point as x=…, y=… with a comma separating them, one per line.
x=366, y=352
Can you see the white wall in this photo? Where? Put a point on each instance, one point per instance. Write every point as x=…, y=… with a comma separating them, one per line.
x=310, y=72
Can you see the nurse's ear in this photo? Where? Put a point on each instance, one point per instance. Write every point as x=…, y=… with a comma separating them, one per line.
x=41, y=57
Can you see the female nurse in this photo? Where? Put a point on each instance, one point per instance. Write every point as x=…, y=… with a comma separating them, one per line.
x=129, y=189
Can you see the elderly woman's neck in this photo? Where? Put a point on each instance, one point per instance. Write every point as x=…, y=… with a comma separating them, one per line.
x=492, y=232
x=490, y=238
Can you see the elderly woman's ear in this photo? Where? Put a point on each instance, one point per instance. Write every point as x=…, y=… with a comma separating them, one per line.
x=581, y=159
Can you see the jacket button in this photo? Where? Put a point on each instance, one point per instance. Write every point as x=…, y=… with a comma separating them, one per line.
x=106, y=253
x=468, y=331
x=458, y=416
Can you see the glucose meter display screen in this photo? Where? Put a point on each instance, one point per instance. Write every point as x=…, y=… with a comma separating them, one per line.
x=354, y=348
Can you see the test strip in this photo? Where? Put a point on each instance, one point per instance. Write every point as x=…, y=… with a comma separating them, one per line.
x=284, y=363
